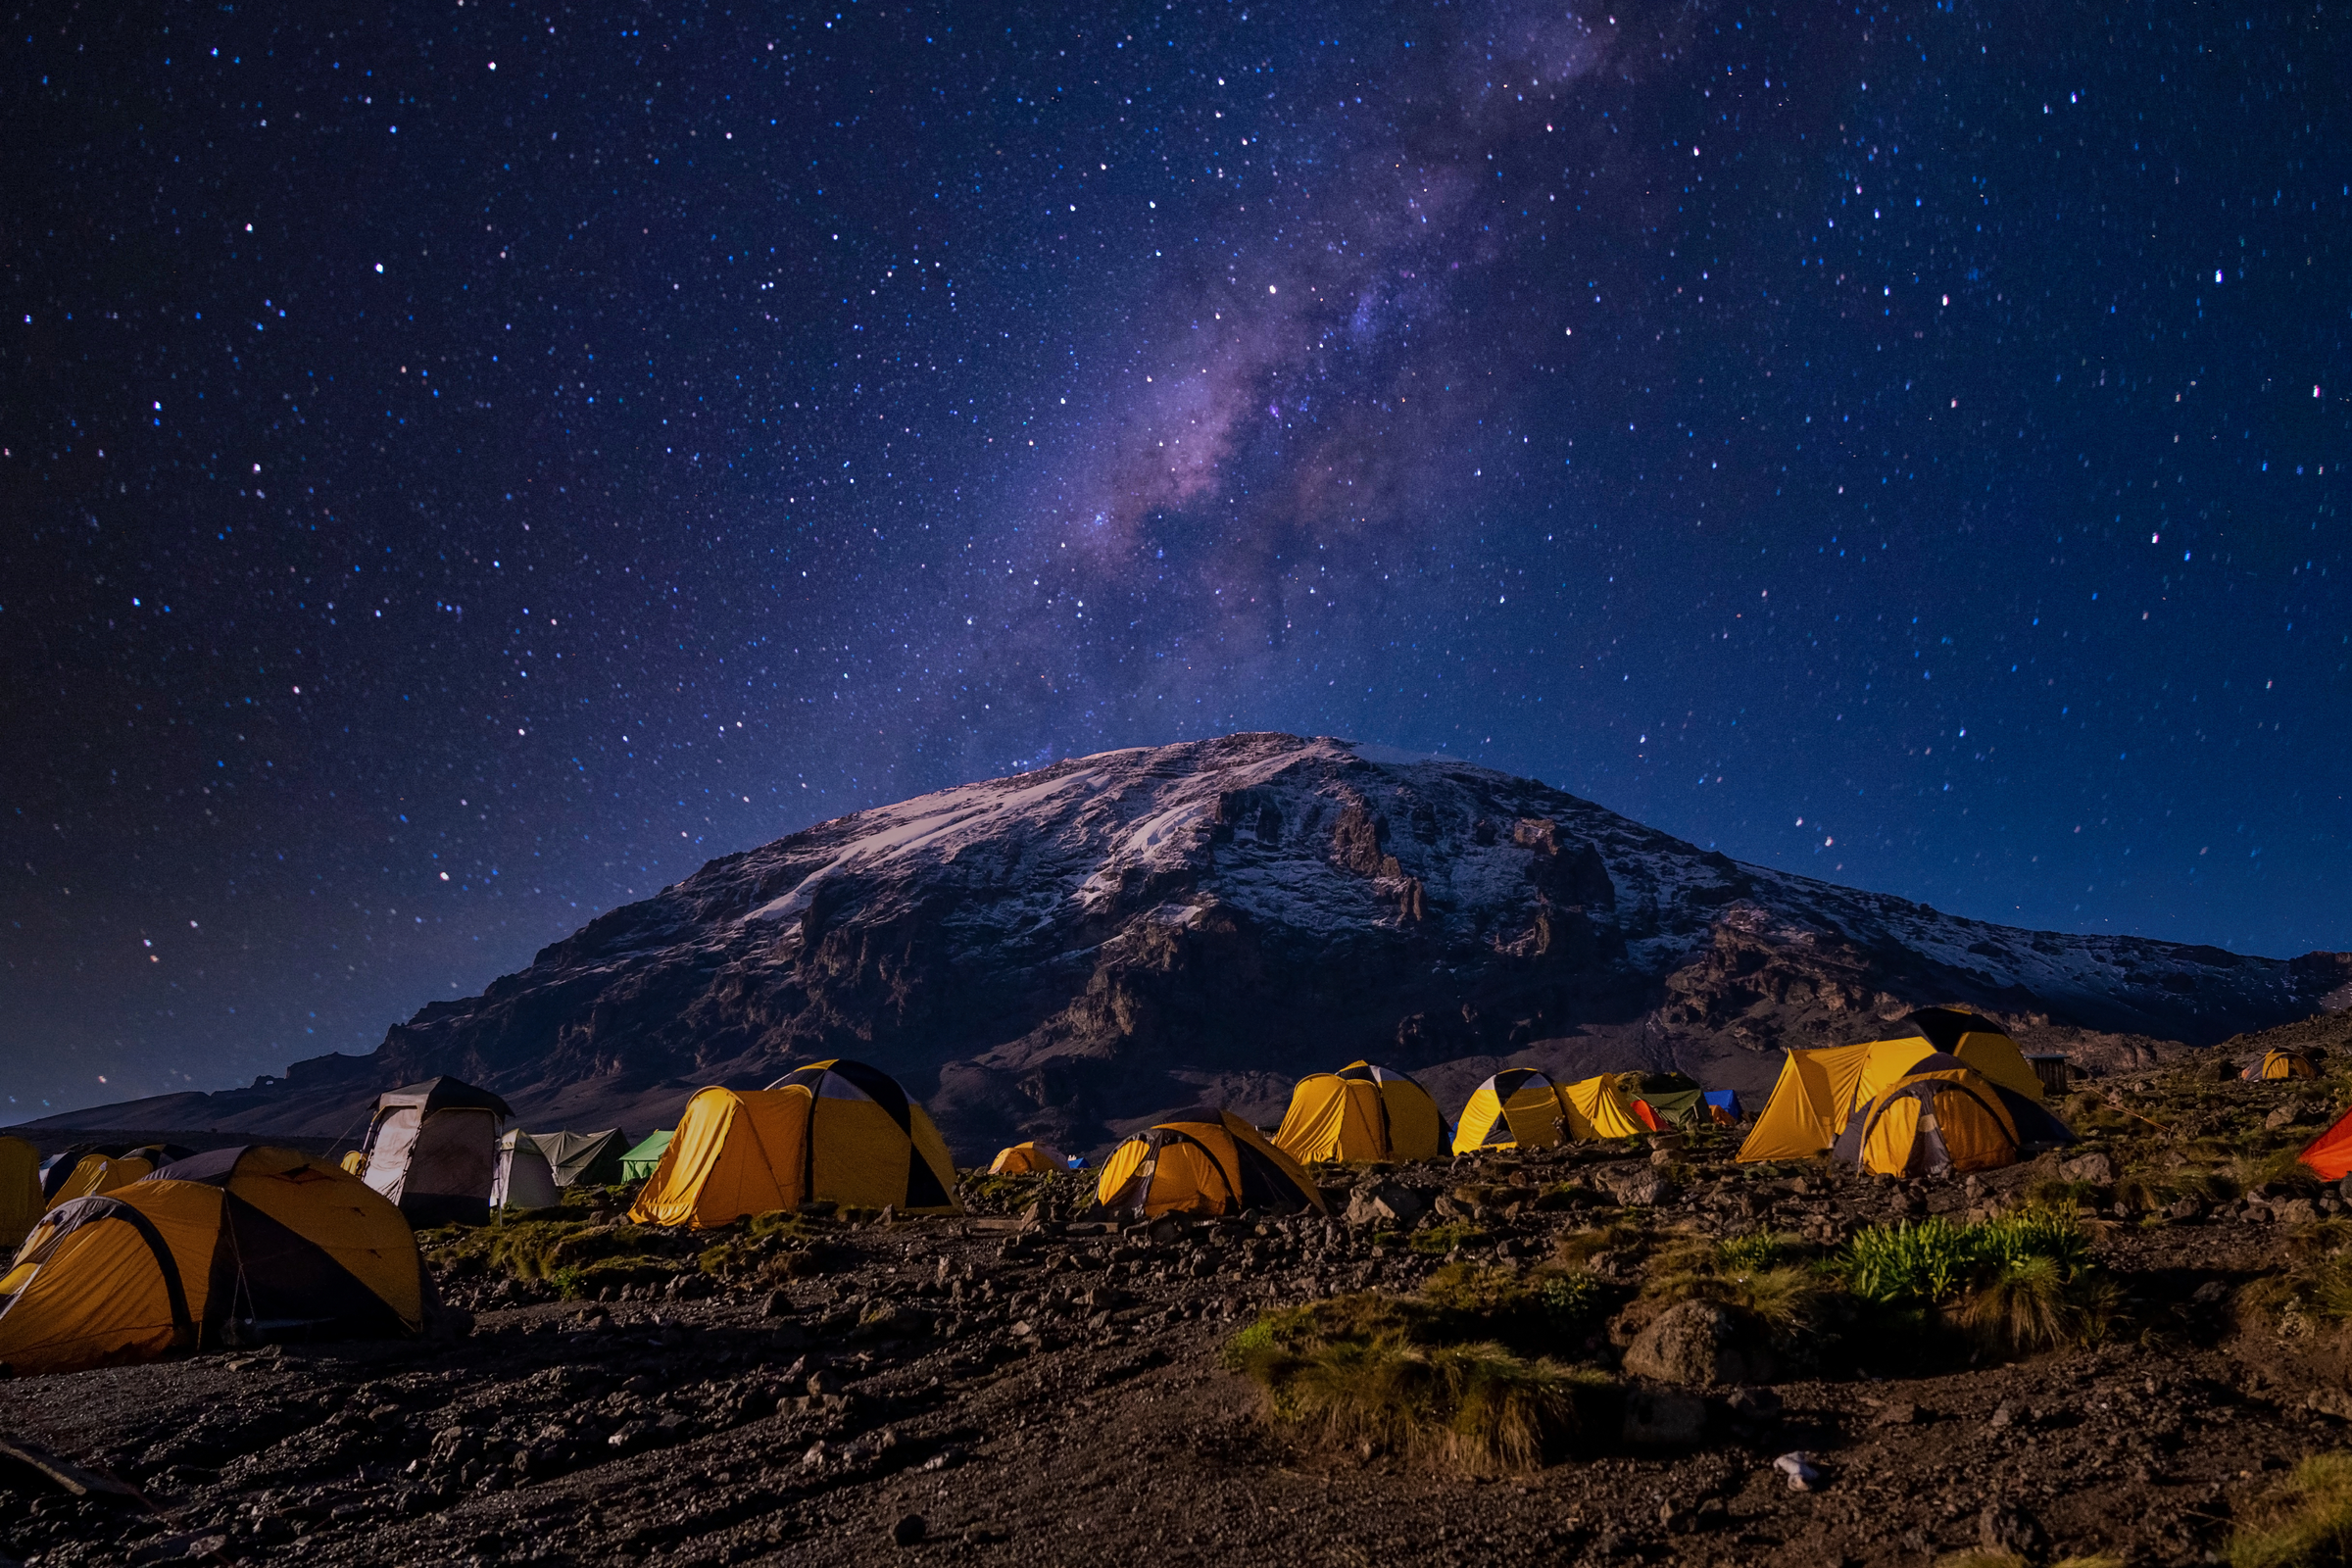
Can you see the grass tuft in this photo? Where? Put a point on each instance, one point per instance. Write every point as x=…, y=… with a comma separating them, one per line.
x=2305, y=1523
x=1435, y=1240
x=1443, y=1377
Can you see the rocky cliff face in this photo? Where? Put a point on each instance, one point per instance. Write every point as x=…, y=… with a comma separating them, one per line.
x=1071, y=952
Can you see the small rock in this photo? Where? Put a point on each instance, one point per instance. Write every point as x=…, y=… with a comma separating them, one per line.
x=2094, y=1168
x=2279, y=1118
x=910, y=1530
x=816, y=1453
x=821, y=1383
x=2004, y=1527
x=778, y=1304
x=2294, y=1212
x=2337, y=1403
x=2004, y=1414
x=1895, y=1414
x=1798, y=1468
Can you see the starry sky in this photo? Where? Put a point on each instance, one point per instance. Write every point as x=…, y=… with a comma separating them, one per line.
x=467, y=465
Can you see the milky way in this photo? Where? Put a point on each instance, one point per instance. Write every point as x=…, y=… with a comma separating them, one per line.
x=469, y=468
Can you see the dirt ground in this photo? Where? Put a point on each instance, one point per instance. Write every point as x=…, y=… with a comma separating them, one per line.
x=985, y=1390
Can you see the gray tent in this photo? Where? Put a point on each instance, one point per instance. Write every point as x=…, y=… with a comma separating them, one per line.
x=432, y=1148
x=524, y=1178
x=592, y=1158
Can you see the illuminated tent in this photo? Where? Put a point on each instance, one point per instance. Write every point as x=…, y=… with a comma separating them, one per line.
x=19, y=1191
x=1944, y=1117
x=1026, y=1159
x=1203, y=1163
x=1519, y=1108
x=1360, y=1113
x=837, y=1131
x=1516, y=1108
x=1818, y=1091
x=233, y=1247
x=2277, y=1064
x=102, y=1168
x=524, y=1178
x=1724, y=1105
x=432, y=1148
x=1663, y=1099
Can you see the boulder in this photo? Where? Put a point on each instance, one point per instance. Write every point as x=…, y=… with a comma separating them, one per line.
x=1700, y=1344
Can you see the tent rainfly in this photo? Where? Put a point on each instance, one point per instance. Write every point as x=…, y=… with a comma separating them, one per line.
x=1203, y=1163
x=432, y=1148
x=837, y=1131
x=1361, y=1112
x=524, y=1178
x=89, y=1169
x=1724, y=1104
x=232, y=1247
x=1945, y=1116
x=1027, y=1160
x=640, y=1162
x=2276, y=1065
x=1818, y=1091
x=1663, y=1099
x=1519, y=1108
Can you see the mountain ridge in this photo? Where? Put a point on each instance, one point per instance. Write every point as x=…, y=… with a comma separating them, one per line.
x=1072, y=953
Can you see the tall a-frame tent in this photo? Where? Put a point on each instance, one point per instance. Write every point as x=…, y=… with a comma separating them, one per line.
x=432, y=1148
x=1818, y=1091
x=1361, y=1112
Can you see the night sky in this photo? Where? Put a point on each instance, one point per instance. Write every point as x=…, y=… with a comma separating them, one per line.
x=466, y=467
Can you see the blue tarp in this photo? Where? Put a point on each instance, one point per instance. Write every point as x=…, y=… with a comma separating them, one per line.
x=1726, y=1099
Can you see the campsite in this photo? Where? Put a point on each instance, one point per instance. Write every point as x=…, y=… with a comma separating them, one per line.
x=1149, y=1357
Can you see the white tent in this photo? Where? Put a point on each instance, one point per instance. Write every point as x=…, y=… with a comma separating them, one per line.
x=432, y=1148
x=524, y=1178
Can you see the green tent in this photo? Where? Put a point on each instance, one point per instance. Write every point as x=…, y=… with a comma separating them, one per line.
x=592, y=1158
x=639, y=1163
x=1676, y=1107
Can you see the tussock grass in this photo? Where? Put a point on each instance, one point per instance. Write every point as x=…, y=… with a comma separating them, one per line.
x=1579, y=1248
x=2034, y=1304
x=1435, y=1240
x=2304, y=1523
x=1475, y=1408
x=1444, y=1378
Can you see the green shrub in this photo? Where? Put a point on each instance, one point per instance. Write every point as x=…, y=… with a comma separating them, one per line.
x=570, y=1283
x=1894, y=1265
x=2305, y=1523
x=1753, y=1251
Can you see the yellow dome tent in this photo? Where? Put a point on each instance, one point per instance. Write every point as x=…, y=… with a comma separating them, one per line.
x=19, y=1191
x=1360, y=1113
x=1520, y=1107
x=1946, y=1118
x=237, y=1246
x=1818, y=1091
x=102, y=1173
x=1026, y=1159
x=2276, y=1065
x=837, y=1131
x=1204, y=1163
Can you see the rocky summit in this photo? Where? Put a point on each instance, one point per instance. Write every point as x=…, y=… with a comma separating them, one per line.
x=1071, y=953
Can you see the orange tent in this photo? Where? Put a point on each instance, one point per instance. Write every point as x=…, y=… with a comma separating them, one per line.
x=2329, y=1156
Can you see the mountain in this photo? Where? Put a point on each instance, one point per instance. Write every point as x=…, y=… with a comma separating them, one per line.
x=1071, y=953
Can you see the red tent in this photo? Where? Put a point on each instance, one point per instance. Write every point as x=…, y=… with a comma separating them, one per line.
x=2329, y=1156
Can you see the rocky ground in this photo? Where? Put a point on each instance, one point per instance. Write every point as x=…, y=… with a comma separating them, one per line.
x=1022, y=1387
